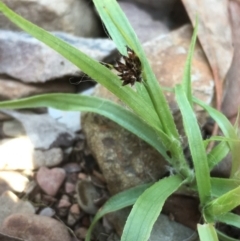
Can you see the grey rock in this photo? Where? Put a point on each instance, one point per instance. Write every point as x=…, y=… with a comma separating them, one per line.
x=72, y=16
x=124, y=159
x=10, y=204
x=153, y=23
x=72, y=167
x=35, y=227
x=48, y=158
x=13, y=128
x=4, y=117
x=25, y=58
x=21, y=158
x=44, y=131
x=164, y=229
x=47, y=211
x=71, y=119
x=13, y=89
x=24, y=156
x=163, y=6
x=167, y=56
x=13, y=181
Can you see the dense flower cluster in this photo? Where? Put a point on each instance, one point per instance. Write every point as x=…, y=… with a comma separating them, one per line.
x=129, y=68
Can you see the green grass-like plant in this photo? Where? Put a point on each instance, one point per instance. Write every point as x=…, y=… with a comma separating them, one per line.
x=149, y=117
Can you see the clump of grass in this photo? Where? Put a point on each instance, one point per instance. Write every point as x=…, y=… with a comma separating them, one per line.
x=150, y=119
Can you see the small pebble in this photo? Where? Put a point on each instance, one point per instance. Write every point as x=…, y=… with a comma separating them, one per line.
x=71, y=219
x=62, y=212
x=82, y=176
x=69, y=187
x=48, y=199
x=72, y=177
x=64, y=203
x=72, y=167
x=75, y=209
x=81, y=233
x=65, y=197
x=47, y=211
x=50, y=180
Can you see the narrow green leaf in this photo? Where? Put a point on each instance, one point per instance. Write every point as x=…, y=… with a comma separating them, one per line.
x=221, y=186
x=223, y=204
x=228, y=131
x=220, y=138
x=117, y=202
x=230, y=219
x=117, y=25
x=207, y=232
x=217, y=154
x=196, y=146
x=147, y=208
x=73, y=102
x=186, y=82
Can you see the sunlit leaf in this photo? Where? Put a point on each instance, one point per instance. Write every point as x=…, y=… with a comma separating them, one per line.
x=147, y=209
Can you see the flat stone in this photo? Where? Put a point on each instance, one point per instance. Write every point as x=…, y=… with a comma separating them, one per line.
x=72, y=167
x=69, y=187
x=158, y=4
x=24, y=156
x=35, y=227
x=154, y=23
x=72, y=16
x=163, y=229
x=11, y=204
x=50, y=180
x=166, y=230
x=47, y=211
x=36, y=127
x=12, y=181
x=13, y=89
x=34, y=62
x=49, y=158
x=20, y=158
x=13, y=128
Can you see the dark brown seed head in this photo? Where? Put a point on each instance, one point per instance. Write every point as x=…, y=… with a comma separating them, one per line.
x=130, y=69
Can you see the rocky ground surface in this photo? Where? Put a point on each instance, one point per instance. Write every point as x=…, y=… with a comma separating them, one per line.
x=58, y=168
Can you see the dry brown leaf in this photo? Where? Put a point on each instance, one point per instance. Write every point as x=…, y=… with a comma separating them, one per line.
x=215, y=36
x=231, y=101
x=214, y=31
